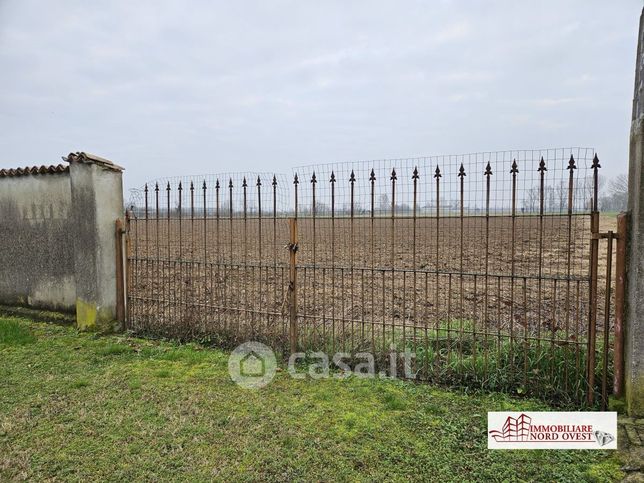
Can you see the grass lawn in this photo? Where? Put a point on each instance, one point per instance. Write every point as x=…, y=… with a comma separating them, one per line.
x=84, y=407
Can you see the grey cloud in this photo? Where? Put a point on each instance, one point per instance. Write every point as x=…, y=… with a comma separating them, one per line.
x=171, y=87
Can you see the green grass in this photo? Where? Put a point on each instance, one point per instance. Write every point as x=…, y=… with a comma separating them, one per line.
x=12, y=332
x=459, y=354
x=76, y=406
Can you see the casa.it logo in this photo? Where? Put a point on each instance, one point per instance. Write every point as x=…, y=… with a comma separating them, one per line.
x=554, y=430
x=252, y=365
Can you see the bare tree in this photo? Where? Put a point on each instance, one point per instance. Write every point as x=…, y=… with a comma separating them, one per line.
x=562, y=195
x=531, y=200
x=616, y=196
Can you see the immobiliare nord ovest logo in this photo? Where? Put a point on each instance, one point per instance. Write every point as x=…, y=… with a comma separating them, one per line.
x=553, y=430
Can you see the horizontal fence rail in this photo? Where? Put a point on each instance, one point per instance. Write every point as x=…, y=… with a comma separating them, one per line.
x=487, y=267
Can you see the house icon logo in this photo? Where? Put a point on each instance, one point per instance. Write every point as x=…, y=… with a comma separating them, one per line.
x=252, y=365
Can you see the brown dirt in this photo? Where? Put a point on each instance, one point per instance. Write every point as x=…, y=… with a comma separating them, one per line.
x=206, y=277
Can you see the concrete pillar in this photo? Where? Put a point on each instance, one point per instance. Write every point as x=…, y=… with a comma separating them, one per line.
x=97, y=201
x=634, y=326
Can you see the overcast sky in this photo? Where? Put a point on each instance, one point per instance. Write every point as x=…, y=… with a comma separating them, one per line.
x=169, y=88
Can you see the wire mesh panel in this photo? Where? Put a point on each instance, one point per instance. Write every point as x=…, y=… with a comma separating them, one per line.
x=478, y=264
x=207, y=259
x=486, y=267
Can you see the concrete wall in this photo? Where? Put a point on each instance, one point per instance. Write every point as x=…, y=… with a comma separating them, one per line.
x=97, y=198
x=36, y=242
x=57, y=238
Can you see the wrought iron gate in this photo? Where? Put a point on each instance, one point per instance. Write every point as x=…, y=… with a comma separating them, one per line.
x=487, y=267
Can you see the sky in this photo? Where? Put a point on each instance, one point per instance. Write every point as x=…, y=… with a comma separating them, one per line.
x=196, y=87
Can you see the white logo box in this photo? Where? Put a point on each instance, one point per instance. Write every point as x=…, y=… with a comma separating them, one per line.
x=551, y=430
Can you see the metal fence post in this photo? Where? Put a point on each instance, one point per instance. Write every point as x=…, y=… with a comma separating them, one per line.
x=594, y=253
x=127, y=275
x=620, y=285
x=592, y=318
x=292, y=287
x=120, y=279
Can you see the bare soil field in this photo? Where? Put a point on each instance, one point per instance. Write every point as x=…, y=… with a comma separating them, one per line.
x=204, y=275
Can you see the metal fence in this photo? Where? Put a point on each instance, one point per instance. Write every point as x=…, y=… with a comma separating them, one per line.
x=487, y=267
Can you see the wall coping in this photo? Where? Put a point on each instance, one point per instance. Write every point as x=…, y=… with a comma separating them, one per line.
x=88, y=158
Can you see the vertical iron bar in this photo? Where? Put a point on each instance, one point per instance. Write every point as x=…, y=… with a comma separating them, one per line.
x=393, y=179
x=474, y=314
x=333, y=328
x=205, y=258
x=571, y=168
x=415, y=176
x=372, y=180
x=488, y=173
x=167, y=264
x=461, y=175
x=514, y=170
x=245, y=259
x=525, y=332
x=260, y=289
x=426, y=326
x=147, y=239
x=180, y=192
x=136, y=310
x=592, y=317
x=128, y=268
x=275, y=301
x=180, y=295
x=499, y=338
x=192, y=221
x=578, y=369
x=230, y=214
x=553, y=329
x=293, y=285
x=620, y=280
x=158, y=245
x=542, y=171
x=314, y=257
x=219, y=296
x=230, y=270
x=194, y=298
x=119, y=261
x=437, y=176
x=352, y=180
x=605, y=351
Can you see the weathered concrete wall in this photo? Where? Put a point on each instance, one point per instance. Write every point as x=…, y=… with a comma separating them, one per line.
x=36, y=242
x=97, y=200
x=634, y=327
x=57, y=238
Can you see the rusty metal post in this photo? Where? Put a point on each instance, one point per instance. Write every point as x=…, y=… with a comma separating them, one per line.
x=514, y=170
x=292, y=287
x=620, y=285
x=127, y=273
x=592, y=317
x=120, y=281
x=605, y=352
x=594, y=254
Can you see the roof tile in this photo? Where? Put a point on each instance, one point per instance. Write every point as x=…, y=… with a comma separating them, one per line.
x=33, y=170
